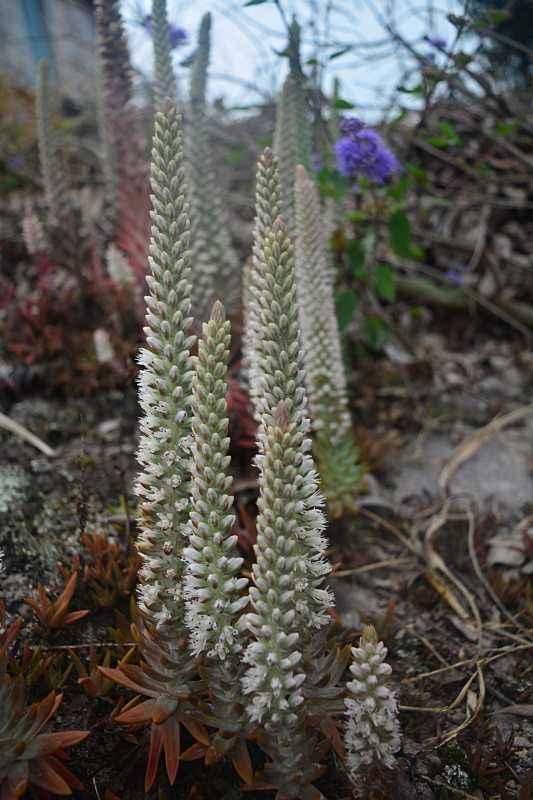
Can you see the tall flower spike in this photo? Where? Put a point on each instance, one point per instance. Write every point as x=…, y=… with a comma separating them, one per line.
x=292, y=137
x=107, y=161
x=278, y=375
x=212, y=586
x=120, y=134
x=165, y=383
x=267, y=210
x=275, y=678
x=337, y=455
x=164, y=79
x=372, y=731
x=51, y=168
x=215, y=261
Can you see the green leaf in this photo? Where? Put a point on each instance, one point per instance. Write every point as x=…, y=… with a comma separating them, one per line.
x=385, y=282
x=418, y=91
x=356, y=255
x=332, y=184
x=255, y=3
x=497, y=15
x=418, y=174
x=462, y=59
x=357, y=216
x=398, y=189
x=400, y=234
x=505, y=128
x=339, y=53
x=376, y=332
x=346, y=303
x=447, y=136
x=342, y=104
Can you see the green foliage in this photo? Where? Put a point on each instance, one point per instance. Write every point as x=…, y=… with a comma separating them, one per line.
x=400, y=234
x=446, y=137
x=385, y=282
x=346, y=303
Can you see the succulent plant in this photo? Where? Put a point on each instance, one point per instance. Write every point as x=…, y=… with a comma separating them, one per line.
x=372, y=729
x=292, y=137
x=165, y=384
x=29, y=757
x=165, y=87
x=116, y=83
x=167, y=676
x=212, y=585
x=267, y=210
x=55, y=614
x=51, y=168
x=215, y=263
x=337, y=455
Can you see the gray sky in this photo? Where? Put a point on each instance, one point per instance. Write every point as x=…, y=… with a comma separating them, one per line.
x=244, y=40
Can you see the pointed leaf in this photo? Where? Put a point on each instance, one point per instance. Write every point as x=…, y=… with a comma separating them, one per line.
x=194, y=752
x=242, y=762
x=143, y=712
x=156, y=745
x=197, y=730
x=118, y=676
x=172, y=747
x=43, y=774
x=48, y=743
x=65, y=773
x=74, y=616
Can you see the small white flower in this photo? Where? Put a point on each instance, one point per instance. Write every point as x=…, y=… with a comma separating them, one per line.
x=102, y=346
x=372, y=731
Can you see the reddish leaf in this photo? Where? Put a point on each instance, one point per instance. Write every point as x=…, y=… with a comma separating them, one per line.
x=331, y=730
x=65, y=773
x=172, y=747
x=154, y=754
x=212, y=756
x=197, y=730
x=118, y=676
x=74, y=616
x=194, y=752
x=242, y=762
x=48, y=743
x=16, y=783
x=143, y=712
x=44, y=775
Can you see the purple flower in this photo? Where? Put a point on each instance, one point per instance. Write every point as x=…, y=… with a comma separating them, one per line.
x=455, y=275
x=146, y=23
x=16, y=162
x=177, y=36
x=362, y=151
x=350, y=126
x=436, y=41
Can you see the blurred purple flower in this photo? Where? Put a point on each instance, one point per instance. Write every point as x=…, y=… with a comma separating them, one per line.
x=15, y=163
x=177, y=36
x=455, y=275
x=436, y=41
x=350, y=126
x=362, y=151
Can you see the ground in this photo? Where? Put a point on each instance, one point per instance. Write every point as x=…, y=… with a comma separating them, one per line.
x=418, y=561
